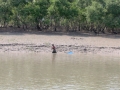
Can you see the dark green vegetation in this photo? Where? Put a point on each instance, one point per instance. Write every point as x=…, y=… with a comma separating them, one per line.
x=96, y=16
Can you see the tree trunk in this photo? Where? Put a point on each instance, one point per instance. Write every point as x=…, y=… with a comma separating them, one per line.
x=79, y=27
x=55, y=27
x=38, y=27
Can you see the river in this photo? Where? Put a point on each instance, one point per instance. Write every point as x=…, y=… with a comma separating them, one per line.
x=43, y=71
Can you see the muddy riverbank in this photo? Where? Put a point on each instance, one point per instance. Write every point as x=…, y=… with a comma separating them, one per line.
x=77, y=43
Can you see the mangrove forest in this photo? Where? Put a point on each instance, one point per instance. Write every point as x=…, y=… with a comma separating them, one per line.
x=98, y=16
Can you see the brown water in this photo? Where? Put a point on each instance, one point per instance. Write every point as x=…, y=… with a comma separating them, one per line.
x=35, y=71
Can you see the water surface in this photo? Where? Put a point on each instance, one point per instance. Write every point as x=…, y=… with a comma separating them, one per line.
x=37, y=71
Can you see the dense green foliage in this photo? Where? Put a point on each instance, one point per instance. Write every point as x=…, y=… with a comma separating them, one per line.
x=69, y=15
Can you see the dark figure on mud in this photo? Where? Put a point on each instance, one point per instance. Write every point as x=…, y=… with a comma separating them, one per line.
x=54, y=49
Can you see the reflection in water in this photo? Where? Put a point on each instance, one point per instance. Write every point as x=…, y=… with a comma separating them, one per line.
x=53, y=57
x=75, y=72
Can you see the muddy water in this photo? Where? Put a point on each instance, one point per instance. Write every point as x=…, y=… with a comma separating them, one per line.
x=35, y=71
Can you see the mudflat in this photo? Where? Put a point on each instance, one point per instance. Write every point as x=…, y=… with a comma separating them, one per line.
x=76, y=42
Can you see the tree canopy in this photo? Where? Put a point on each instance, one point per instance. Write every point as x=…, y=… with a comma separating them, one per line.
x=88, y=15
